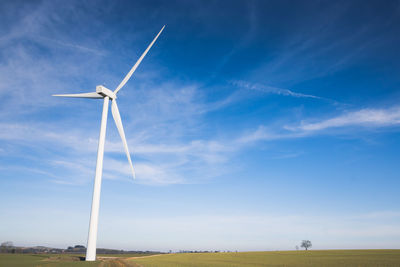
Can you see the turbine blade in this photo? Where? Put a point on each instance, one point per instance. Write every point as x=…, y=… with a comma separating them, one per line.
x=118, y=123
x=83, y=95
x=124, y=81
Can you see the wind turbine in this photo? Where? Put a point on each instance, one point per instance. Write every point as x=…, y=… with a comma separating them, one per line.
x=106, y=94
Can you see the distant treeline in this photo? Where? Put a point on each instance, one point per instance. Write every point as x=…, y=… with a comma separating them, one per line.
x=8, y=247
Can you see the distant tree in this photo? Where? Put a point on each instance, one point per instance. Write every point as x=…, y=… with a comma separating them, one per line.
x=7, y=244
x=297, y=247
x=306, y=244
x=79, y=246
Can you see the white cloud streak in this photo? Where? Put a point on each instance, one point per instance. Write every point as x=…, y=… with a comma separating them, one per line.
x=363, y=117
x=368, y=118
x=170, y=162
x=160, y=155
x=271, y=90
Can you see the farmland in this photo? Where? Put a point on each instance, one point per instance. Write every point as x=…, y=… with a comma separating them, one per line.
x=285, y=258
x=277, y=258
x=52, y=260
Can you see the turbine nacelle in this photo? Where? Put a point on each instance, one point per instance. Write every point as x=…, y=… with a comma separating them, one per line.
x=101, y=90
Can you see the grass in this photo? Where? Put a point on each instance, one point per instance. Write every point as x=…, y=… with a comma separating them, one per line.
x=326, y=258
x=322, y=258
x=125, y=255
x=52, y=260
x=45, y=260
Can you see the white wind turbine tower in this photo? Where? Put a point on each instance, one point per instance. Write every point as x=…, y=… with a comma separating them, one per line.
x=106, y=94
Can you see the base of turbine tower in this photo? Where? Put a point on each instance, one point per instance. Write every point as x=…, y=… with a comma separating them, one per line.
x=90, y=258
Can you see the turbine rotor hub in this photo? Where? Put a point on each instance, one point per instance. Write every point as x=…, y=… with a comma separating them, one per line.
x=101, y=90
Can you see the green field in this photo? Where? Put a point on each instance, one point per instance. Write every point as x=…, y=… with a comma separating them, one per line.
x=323, y=258
x=285, y=258
x=52, y=260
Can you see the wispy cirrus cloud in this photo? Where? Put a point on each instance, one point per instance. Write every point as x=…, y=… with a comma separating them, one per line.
x=161, y=155
x=271, y=90
x=320, y=49
x=368, y=117
x=170, y=163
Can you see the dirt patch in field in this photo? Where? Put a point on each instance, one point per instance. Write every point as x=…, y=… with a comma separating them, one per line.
x=117, y=263
x=104, y=261
x=121, y=262
x=64, y=258
x=144, y=256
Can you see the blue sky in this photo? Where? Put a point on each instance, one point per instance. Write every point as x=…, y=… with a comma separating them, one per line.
x=251, y=126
